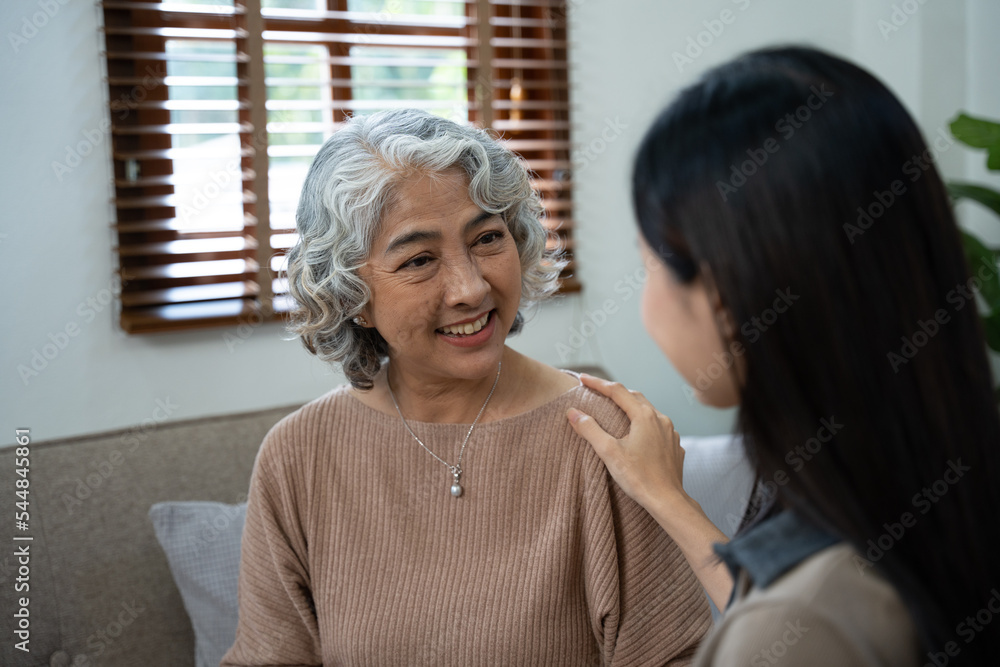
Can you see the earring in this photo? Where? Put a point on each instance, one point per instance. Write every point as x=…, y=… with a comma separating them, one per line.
x=360, y=321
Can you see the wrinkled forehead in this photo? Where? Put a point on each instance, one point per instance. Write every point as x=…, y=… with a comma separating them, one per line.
x=421, y=199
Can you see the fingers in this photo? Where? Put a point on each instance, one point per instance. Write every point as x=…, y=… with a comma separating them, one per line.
x=631, y=402
x=588, y=428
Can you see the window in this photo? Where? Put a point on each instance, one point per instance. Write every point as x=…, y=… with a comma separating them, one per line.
x=217, y=109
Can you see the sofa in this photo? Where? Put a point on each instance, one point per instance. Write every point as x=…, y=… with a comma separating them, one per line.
x=101, y=591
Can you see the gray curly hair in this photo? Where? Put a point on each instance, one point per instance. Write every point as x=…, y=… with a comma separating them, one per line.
x=349, y=187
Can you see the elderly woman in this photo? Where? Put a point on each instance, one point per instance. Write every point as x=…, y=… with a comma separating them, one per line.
x=440, y=509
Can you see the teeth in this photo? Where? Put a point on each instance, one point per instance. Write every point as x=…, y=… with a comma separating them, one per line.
x=467, y=329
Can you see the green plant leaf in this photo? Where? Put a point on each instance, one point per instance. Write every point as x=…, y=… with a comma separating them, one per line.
x=979, y=133
x=988, y=197
x=978, y=256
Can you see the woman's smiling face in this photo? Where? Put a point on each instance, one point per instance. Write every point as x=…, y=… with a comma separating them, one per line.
x=439, y=265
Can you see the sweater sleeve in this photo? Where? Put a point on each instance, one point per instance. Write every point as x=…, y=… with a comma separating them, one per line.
x=646, y=605
x=277, y=616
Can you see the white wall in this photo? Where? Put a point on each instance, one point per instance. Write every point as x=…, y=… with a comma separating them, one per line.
x=53, y=97
x=942, y=57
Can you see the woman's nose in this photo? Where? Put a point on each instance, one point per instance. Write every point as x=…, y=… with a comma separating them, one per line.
x=464, y=283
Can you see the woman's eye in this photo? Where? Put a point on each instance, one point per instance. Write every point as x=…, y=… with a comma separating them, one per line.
x=416, y=262
x=490, y=237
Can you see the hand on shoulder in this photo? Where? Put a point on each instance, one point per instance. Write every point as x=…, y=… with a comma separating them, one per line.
x=648, y=461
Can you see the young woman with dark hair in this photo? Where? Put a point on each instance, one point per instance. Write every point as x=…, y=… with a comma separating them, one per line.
x=810, y=246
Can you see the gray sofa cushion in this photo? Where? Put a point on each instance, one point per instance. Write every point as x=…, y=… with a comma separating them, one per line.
x=718, y=475
x=101, y=588
x=202, y=544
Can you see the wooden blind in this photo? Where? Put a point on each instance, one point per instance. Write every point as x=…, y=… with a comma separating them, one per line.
x=217, y=110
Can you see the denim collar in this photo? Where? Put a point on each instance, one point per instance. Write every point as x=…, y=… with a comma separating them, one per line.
x=774, y=546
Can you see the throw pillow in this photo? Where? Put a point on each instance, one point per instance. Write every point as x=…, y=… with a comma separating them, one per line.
x=202, y=544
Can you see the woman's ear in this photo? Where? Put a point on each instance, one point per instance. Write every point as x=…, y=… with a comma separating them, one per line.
x=724, y=319
x=363, y=319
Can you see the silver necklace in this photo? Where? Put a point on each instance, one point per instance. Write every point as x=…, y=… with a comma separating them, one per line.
x=456, y=470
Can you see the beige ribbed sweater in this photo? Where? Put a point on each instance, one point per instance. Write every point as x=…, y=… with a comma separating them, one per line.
x=355, y=553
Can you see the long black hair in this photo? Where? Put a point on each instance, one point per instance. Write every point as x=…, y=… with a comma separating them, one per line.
x=793, y=172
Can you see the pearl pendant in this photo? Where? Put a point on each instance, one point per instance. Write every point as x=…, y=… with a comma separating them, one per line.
x=456, y=489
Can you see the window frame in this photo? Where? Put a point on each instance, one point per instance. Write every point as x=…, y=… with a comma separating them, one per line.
x=523, y=42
